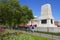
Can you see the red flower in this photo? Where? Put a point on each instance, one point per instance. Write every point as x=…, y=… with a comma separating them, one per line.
x=2, y=30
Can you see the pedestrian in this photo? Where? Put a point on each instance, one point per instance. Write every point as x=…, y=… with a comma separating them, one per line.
x=32, y=28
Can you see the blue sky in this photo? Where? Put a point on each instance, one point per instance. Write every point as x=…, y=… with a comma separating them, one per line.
x=35, y=5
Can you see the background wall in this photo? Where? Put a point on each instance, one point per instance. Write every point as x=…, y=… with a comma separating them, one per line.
x=48, y=29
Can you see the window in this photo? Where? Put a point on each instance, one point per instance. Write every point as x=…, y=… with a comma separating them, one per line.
x=43, y=21
x=51, y=21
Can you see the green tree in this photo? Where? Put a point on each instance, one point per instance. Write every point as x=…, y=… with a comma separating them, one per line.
x=27, y=13
x=12, y=13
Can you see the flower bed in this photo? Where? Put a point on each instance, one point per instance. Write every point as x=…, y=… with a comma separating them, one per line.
x=19, y=36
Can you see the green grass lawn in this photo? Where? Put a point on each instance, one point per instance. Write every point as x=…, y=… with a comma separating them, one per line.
x=17, y=35
x=38, y=37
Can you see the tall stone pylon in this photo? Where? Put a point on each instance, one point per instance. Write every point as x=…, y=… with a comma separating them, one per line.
x=46, y=18
x=46, y=11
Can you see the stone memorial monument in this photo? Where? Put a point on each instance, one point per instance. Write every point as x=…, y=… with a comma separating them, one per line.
x=46, y=19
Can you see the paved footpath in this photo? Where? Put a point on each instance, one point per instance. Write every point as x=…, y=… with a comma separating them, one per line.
x=54, y=37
